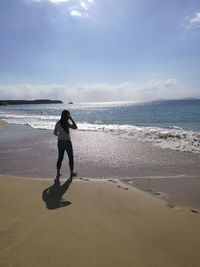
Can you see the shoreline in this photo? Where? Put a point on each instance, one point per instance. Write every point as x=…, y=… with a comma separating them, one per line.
x=104, y=224
x=15, y=145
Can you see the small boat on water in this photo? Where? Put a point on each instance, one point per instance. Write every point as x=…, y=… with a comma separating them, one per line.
x=70, y=103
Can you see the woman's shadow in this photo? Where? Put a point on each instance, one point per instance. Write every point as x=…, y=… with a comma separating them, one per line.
x=52, y=196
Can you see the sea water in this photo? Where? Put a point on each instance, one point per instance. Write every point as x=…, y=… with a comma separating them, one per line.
x=173, y=124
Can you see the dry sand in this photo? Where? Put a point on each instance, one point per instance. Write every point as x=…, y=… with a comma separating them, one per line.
x=105, y=225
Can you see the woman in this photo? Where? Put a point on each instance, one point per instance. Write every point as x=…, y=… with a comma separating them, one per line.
x=64, y=141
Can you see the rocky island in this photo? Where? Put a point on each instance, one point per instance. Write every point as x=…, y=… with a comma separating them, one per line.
x=22, y=102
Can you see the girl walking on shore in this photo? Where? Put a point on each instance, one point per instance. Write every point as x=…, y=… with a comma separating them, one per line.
x=64, y=141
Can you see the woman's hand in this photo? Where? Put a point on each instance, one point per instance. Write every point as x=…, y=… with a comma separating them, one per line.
x=73, y=125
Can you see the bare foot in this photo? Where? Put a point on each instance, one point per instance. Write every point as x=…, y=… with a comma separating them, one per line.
x=73, y=174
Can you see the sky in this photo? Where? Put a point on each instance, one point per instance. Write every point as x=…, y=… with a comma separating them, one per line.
x=99, y=50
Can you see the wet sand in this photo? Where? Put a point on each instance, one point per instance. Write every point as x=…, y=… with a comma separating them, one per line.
x=2, y=124
x=171, y=175
x=178, y=192
x=102, y=224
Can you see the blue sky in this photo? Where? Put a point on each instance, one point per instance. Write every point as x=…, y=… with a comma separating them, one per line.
x=99, y=50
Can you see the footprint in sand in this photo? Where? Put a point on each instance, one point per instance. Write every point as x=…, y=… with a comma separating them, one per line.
x=84, y=179
x=125, y=188
x=112, y=181
x=119, y=186
x=161, y=195
x=171, y=206
x=194, y=211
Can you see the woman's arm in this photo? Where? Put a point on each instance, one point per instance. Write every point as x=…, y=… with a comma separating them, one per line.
x=73, y=125
x=55, y=132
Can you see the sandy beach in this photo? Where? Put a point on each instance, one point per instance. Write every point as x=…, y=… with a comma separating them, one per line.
x=101, y=225
x=164, y=173
x=102, y=219
x=99, y=133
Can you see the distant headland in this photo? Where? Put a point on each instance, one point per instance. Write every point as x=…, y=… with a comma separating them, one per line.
x=22, y=102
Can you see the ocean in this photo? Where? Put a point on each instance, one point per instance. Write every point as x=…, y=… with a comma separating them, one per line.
x=173, y=124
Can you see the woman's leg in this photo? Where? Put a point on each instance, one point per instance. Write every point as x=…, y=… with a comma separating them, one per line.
x=70, y=154
x=61, y=151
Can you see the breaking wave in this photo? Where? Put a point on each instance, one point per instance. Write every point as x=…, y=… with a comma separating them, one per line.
x=174, y=137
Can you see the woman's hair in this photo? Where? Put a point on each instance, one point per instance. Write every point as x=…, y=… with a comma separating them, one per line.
x=64, y=120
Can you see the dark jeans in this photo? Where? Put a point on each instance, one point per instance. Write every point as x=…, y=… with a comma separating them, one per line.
x=62, y=147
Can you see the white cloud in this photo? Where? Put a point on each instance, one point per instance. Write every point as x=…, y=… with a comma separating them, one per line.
x=76, y=8
x=77, y=13
x=30, y=91
x=52, y=1
x=154, y=84
x=84, y=4
x=193, y=22
x=127, y=91
x=81, y=9
x=166, y=89
x=58, y=1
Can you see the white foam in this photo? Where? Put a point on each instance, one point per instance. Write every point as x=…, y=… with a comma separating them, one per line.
x=174, y=138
